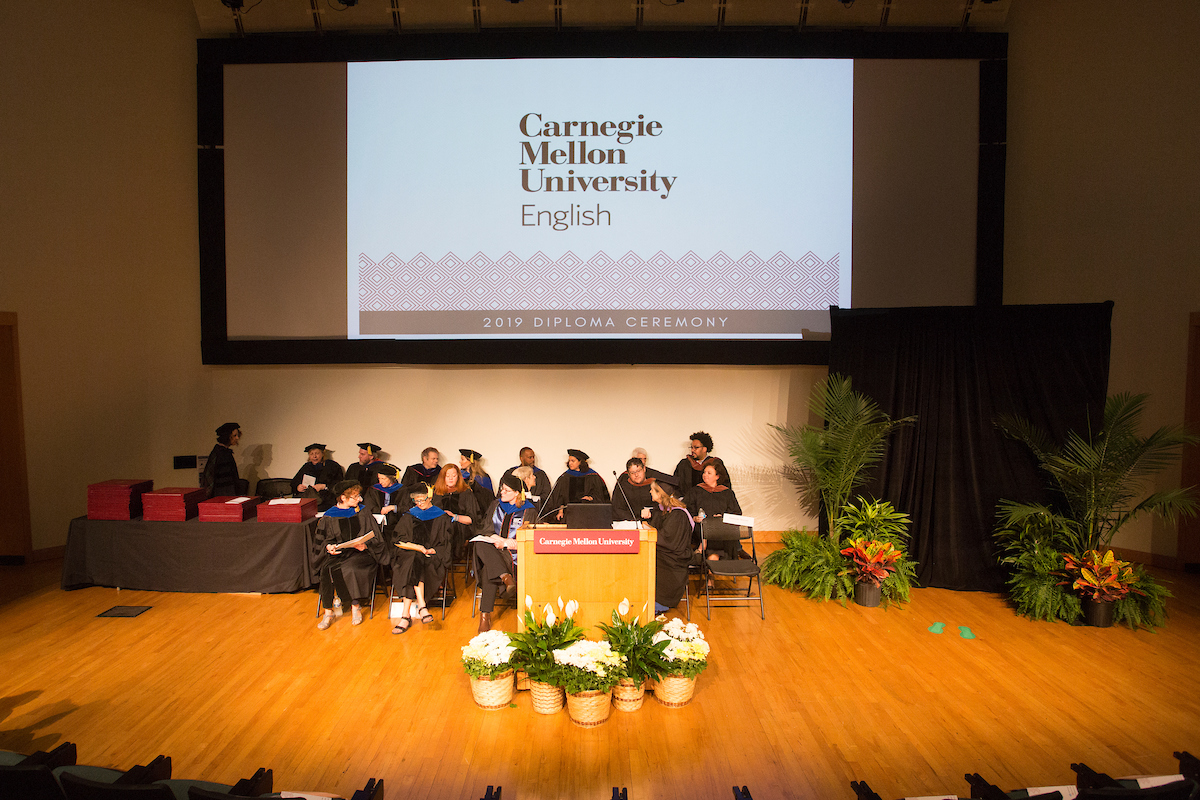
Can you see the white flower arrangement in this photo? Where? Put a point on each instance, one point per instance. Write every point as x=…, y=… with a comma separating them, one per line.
x=588, y=665
x=687, y=651
x=488, y=655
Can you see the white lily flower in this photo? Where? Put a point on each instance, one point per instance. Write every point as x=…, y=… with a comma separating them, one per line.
x=528, y=603
x=560, y=603
x=550, y=618
x=623, y=609
x=572, y=607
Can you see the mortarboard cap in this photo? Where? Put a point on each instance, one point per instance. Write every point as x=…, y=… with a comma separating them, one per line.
x=582, y=456
x=320, y=447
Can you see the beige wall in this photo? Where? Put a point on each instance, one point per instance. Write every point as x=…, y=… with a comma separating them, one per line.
x=1103, y=187
x=99, y=258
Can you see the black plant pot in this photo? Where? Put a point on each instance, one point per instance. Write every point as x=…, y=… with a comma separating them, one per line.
x=867, y=594
x=1098, y=613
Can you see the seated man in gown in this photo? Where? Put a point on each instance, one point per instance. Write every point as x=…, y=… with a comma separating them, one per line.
x=633, y=491
x=541, y=481
x=425, y=471
x=316, y=478
x=364, y=470
x=347, y=569
x=422, y=554
x=690, y=468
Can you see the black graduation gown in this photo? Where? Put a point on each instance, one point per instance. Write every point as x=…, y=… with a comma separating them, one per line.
x=416, y=473
x=363, y=473
x=375, y=499
x=715, y=504
x=464, y=504
x=630, y=498
x=327, y=472
x=689, y=473
x=541, y=482
x=572, y=489
x=483, y=495
x=357, y=566
x=221, y=473
x=673, y=554
x=490, y=561
x=410, y=567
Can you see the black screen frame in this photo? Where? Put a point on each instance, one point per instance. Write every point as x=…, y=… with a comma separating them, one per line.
x=990, y=49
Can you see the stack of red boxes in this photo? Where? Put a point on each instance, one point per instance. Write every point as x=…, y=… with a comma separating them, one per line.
x=228, y=509
x=288, y=510
x=117, y=499
x=176, y=504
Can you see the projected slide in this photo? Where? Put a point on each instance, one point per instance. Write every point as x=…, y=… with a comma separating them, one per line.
x=598, y=198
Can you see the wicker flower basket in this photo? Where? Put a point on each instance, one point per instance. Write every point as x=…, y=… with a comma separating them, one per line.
x=495, y=693
x=547, y=698
x=674, y=691
x=522, y=681
x=628, y=695
x=589, y=709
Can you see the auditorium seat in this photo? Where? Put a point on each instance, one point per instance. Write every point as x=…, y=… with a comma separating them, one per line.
x=372, y=791
x=29, y=782
x=732, y=568
x=257, y=786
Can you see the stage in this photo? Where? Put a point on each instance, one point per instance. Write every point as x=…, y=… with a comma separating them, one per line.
x=797, y=705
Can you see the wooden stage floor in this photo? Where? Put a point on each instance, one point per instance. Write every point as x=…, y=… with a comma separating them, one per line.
x=796, y=706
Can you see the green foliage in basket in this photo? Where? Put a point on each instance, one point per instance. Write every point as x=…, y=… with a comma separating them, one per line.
x=536, y=644
x=587, y=666
x=643, y=656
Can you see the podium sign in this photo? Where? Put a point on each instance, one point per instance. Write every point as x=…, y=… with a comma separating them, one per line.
x=604, y=567
x=594, y=541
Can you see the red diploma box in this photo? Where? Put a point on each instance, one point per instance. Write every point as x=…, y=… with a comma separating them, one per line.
x=175, y=504
x=287, y=510
x=228, y=509
x=120, y=498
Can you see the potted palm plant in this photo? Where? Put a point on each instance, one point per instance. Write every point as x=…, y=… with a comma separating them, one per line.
x=535, y=648
x=644, y=659
x=1100, y=485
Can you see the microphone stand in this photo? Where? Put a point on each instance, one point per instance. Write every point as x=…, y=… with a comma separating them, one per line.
x=628, y=505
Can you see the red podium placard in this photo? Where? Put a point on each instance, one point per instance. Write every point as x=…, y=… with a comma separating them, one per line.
x=563, y=540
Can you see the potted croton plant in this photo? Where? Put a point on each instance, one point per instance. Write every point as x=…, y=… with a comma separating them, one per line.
x=871, y=563
x=1101, y=580
x=643, y=655
x=686, y=655
x=487, y=659
x=535, y=648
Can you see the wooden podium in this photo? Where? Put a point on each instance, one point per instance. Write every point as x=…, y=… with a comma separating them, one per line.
x=597, y=581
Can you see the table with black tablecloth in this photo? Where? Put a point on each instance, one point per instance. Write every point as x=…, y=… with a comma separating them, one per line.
x=190, y=556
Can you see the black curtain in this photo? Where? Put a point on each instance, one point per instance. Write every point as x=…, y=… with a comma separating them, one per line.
x=956, y=369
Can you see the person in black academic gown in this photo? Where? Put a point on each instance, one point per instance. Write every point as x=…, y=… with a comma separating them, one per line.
x=220, y=475
x=349, y=572
x=422, y=554
x=473, y=472
x=674, y=551
x=633, y=491
x=452, y=494
x=496, y=559
x=424, y=472
x=387, y=497
x=541, y=481
x=711, y=500
x=690, y=468
x=325, y=472
x=579, y=484
x=364, y=470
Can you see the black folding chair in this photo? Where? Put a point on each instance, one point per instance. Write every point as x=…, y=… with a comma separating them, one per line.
x=732, y=568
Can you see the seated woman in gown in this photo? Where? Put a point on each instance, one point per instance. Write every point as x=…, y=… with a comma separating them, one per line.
x=496, y=559
x=422, y=555
x=675, y=550
x=713, y=499
x=321, y=473
x=387, y=497
x=349, y=571
x=456, y=500
x=579, y=484
x=476, y=477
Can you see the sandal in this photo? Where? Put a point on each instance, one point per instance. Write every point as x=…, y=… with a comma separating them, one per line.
x=401, y=628
x=425, y=616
